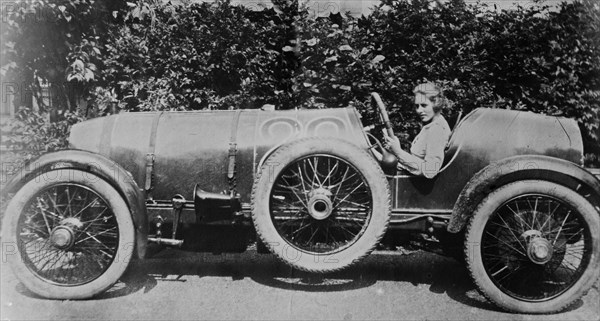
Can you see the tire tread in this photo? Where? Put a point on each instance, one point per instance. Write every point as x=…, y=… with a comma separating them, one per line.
x=473, y=274
x=285, y=149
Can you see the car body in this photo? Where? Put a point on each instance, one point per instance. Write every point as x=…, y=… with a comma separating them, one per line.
x=213, y=181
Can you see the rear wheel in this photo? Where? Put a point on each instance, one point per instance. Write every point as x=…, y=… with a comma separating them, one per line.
x=72, y=234
x=534, y=246
x=320, y=204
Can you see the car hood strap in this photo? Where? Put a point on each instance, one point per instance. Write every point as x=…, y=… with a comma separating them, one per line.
x=150, y=156
x=232, y=152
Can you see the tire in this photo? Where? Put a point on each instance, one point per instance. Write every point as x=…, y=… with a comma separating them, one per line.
x=68, y=234
x=320, y=204
x=533, y=246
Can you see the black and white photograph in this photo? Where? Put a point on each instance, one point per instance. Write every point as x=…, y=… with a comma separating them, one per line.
x=300, y=160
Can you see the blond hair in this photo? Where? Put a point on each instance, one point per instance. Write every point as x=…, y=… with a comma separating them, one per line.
x=434, y=93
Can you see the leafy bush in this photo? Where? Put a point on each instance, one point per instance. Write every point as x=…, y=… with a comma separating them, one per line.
x=160, y=56
x=33, y=133
x=56, y=43
x=198, y=56
x=219, y=56
x=532, y=59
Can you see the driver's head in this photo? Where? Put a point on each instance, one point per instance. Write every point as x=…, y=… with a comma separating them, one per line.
x=433, y=93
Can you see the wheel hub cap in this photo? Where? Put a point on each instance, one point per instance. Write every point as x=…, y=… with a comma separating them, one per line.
x=62, y=237
x=319, y=204
x=539, y=250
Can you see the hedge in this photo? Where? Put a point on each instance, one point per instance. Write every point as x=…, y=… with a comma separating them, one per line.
x=180, y=57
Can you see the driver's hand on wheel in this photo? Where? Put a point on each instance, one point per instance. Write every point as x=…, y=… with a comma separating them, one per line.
x=391, y=143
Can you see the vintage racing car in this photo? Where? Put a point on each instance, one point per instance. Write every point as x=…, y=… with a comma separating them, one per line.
x=512, y=199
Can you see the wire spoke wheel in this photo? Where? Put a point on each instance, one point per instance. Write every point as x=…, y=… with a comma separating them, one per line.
x=321, y=204
x=73, y=234
x=535, y=247
x=532, y=246
x=68, y=235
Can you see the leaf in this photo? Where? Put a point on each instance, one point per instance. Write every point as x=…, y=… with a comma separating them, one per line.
x=345, y=48
x=287, y=49
x=377, y=59
x=72, y=76
x=137, y=13
x=89, y=75
x=77, y=65
x=331, y=59
x=311, y=42
x=7, y=67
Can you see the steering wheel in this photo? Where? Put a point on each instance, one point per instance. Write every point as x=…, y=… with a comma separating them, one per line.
x=377, y=103
x=388, y=160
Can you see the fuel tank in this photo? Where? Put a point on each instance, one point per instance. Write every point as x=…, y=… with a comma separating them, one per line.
x=169, y=153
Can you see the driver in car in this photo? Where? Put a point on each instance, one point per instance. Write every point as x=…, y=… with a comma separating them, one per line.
x=427, y=150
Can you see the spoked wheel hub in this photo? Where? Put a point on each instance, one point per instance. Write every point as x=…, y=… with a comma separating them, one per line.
x=63, y=236
x=539, y=249
x=319, y=204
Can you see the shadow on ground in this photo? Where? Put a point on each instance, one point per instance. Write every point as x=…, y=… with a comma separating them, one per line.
x=444, y=276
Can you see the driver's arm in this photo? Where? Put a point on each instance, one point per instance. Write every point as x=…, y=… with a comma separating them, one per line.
x=417, y=166
x=430, y=165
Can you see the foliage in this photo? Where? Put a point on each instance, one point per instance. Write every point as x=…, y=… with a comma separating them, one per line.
x=56, y=43
x=33, y=132
x=161, y=56
x=198, y=56
x=218, y=56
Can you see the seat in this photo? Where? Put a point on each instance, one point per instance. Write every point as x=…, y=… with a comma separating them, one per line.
x=451, y=150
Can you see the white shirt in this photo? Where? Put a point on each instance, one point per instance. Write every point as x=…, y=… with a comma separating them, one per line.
x=427, y=150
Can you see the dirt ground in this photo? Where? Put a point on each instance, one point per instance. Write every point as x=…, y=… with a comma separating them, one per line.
x=175, y=285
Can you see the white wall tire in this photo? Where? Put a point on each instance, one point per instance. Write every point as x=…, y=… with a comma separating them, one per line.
x=68, y=234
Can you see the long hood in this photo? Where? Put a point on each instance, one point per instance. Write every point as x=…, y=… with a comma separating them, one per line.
x=188, y=148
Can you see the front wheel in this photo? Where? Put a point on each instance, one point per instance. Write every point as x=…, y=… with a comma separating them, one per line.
x=534, y=246
x=68, y=234
x=320, y=204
